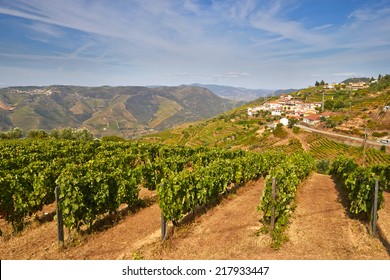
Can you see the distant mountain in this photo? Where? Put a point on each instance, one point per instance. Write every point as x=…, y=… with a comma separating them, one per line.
x=236, y=93
x=123, y=111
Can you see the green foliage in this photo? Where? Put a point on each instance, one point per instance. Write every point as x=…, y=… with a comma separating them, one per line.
x=323, y=166
x=383, y=83
x=335, y=105
x=324, y=148
x=380, y=134
x=289, y=173
x=14, y=133
x=359, y=183
x=296, y=130
x=280, y=132
x=292, y=122
x=28, y=170
x=74, y=134
x=113, y=138
x=210, y=175
x=95, y=188
x=37, y=134
x=96, y=177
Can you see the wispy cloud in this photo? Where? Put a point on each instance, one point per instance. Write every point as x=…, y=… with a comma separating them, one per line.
x=232, y=41
x=369, y=13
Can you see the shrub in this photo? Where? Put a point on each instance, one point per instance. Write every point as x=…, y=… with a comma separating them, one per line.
x=323, y=166
x=296, y=129
x=280, y=132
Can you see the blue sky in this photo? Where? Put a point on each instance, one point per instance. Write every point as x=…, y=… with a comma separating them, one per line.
x=253, y=43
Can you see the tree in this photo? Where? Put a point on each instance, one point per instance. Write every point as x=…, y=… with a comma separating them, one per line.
x=66, y=133
x=279, y=131
x=4, y=135
x=83, y=135
x=55, y=134
x=16, y=133
x=329, y=104
x=338, y=105
x=322, y=83
x=292, y=122
x=317, y=84
x=37, y=134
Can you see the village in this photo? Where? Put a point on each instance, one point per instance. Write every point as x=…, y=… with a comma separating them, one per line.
x=288, y=108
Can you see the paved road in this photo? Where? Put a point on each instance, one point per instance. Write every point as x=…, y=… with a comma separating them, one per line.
x=339, y=135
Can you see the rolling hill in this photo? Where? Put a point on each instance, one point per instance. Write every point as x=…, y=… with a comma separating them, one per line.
x=123, y=111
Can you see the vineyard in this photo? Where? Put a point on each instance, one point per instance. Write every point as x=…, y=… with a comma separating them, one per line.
x=324, y=148
x=97, y=178
x=359, y=181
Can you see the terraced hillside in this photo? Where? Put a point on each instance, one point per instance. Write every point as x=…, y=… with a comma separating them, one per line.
x=348, y=112
x=121, y=111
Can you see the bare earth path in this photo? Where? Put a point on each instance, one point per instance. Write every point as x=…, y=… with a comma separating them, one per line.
x=117, y=242
x=384, y=221
x=320, y=229
x=224, y=232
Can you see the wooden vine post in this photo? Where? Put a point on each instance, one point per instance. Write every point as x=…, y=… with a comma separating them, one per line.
x=163, y=227
x=60, y=221
x=374, y=216
x=273, y=203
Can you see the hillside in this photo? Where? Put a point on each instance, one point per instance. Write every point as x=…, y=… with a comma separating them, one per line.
x=352, y=111
x=347, y=112
x=122, y=111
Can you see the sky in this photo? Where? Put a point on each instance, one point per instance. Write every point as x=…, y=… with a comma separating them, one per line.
x=247, y=43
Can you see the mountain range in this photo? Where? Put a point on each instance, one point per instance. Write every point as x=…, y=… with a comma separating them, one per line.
x=126, y=111
x=236, y=93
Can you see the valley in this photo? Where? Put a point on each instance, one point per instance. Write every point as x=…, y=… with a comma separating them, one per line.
x=122, y=111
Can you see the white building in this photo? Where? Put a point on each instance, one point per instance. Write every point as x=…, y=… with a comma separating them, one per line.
x=284, y=121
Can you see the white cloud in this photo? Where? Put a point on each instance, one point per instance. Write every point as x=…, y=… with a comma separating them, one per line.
x=46, y=29
x=322, y=27
x=369, y=13
x=191, y=40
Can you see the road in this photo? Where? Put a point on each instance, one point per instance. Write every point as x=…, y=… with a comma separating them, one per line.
x=339, y=135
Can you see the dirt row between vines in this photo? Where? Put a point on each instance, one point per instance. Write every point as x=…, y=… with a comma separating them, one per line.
x=320, y=229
